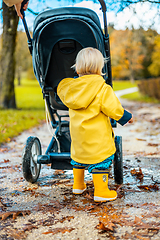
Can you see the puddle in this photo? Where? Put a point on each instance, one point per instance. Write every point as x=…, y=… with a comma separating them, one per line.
x=150, y=168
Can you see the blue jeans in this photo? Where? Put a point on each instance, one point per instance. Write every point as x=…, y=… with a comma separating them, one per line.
x=104, y=165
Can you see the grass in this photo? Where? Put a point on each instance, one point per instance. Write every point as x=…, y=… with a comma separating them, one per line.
x=120, y=85
x=30, y=111
x=29, y=95
x=13, y=122
x=137, y=96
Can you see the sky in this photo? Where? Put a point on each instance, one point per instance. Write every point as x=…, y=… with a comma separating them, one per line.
x=146, y=15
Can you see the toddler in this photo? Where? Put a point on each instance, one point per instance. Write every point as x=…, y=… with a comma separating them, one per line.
x=91, y=104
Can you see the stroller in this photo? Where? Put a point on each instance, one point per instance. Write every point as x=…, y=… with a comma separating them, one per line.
x=58, y=35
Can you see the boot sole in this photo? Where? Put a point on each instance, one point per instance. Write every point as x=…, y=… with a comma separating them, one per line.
x=78, y=191
x=100, y=199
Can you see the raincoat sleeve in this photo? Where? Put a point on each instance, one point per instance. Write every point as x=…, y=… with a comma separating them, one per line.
x=112, y=107
x=10, y=3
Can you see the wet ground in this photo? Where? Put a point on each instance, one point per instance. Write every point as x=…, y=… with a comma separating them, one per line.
x=49, y=210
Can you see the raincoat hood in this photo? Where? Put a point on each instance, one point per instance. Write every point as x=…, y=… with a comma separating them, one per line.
x=78, y=93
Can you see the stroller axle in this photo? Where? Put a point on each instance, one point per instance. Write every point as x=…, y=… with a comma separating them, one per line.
x=46, y=159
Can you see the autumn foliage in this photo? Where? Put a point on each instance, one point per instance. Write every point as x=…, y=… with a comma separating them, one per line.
x=134, y=53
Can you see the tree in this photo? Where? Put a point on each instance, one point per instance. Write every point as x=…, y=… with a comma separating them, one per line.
x=127, y=55
x=147, y=38
x=10, y=23
x=154, y=68
x=23, y=57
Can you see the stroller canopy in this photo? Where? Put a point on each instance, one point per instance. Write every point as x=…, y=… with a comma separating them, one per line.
x=58, y=35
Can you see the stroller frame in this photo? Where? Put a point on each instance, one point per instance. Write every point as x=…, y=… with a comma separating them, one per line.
x=58, y=151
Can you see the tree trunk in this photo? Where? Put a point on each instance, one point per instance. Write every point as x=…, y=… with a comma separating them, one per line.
x=131, y=71
x=10, y=23
x=19, y=75
x=131, y=75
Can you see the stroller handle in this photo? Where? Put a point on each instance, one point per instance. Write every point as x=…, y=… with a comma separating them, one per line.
x=107, y=44
x=26, y=27
x=103, y=5
x=104, y=9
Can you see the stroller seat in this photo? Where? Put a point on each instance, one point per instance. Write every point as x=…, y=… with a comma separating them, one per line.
x=58, y=35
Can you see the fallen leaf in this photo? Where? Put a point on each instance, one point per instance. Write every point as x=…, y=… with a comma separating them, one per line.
x=15, y=234
x=49, y=208
x=149, y=187
x=138, y=174
x=127, y=236
x=118, y=189
x=102, y=227
x=6, y=160
x=153, y=153
x=141, y=237
x=153, y=144
x=155, y=181
x=138, y=222
x=59, y=172
x=28, y=227
x=68, y=218
x=46, y=222
x=139, y=139
x=89, y=195
x=4, y=149
x=57, y=230
x=14, y=214
x=2, y=203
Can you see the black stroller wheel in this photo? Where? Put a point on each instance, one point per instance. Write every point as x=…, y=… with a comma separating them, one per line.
x=118, y=161
x=31, y=169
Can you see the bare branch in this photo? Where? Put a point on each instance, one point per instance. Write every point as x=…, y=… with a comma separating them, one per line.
x=31, y=11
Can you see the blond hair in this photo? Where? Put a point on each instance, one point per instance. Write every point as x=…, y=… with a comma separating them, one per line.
x=89, y=61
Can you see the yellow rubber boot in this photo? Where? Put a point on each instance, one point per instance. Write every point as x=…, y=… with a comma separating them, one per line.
x=79, y=186
x=101, y=190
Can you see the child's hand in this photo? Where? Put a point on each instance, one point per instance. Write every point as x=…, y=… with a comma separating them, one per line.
x=131, y=120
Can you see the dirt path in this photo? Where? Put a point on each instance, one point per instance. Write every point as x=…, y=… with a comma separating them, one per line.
x=48, y=210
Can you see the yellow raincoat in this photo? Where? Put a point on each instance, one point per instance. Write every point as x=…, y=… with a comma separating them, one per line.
x=91, y=104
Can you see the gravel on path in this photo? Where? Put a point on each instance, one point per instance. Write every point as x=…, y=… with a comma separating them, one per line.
x=49, y=210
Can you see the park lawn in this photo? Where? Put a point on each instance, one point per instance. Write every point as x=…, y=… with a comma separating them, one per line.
x=13, y=122
x=29, y=95
x=29, y=113
x=120, y=85
x=137, y=96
